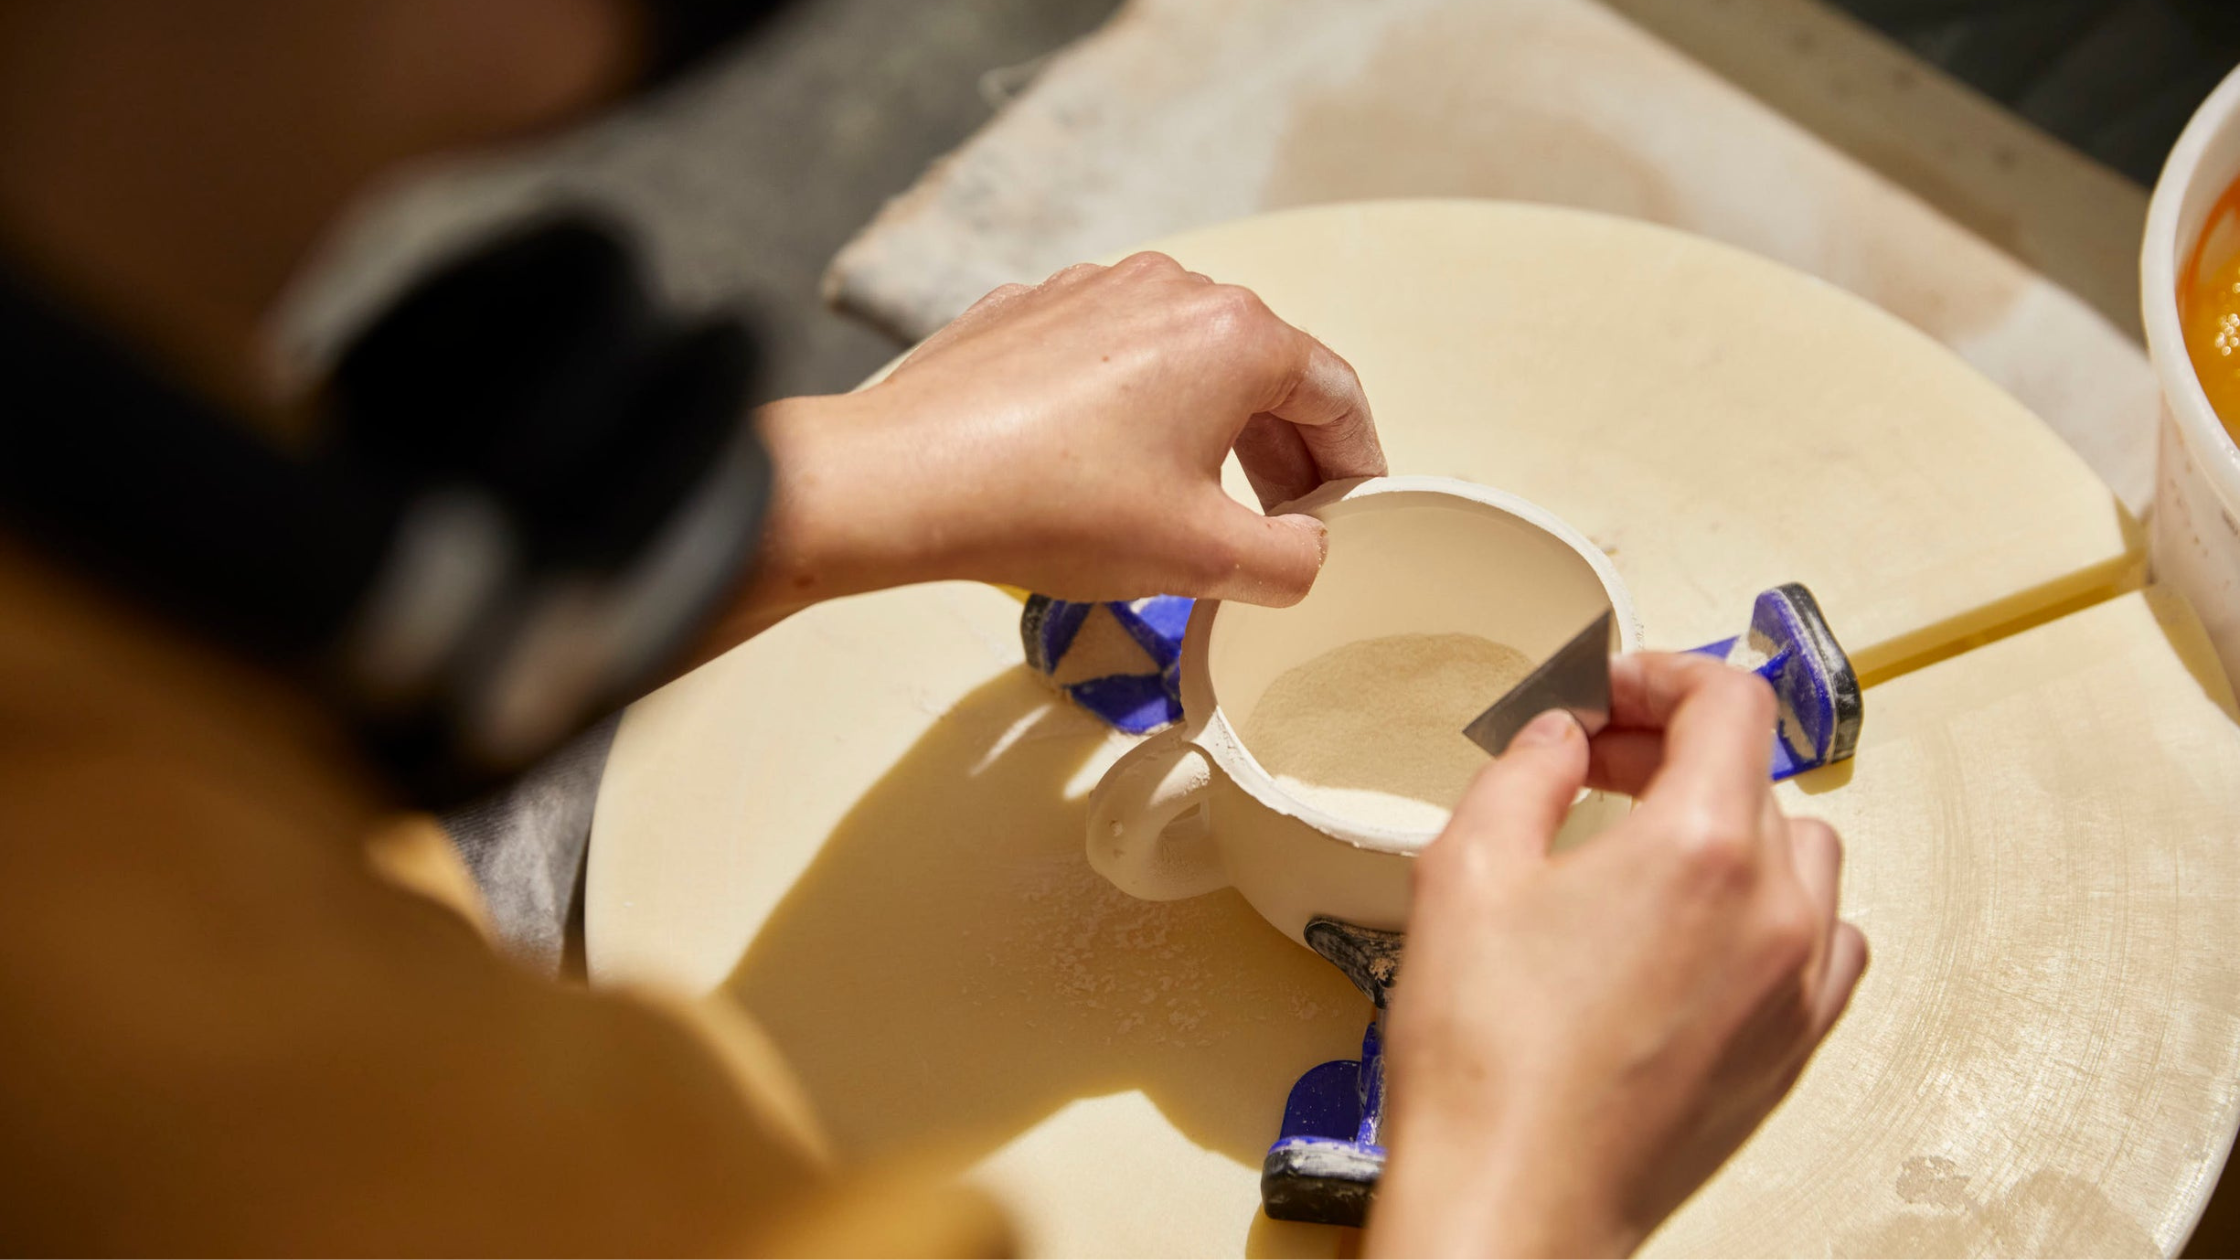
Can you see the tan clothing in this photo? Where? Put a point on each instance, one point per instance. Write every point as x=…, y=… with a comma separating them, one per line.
x=221, y=1032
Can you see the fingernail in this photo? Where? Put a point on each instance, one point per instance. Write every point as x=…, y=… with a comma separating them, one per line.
x=1546, y=731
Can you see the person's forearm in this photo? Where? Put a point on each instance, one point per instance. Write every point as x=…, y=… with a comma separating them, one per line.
x=828, y=530
x=1455, y=1198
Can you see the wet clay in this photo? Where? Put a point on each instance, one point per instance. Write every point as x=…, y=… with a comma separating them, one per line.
x=1372, y=731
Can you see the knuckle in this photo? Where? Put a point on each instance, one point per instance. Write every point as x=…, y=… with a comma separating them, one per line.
x=1715, y=847
x=1063, y=274
x=1149, y=262
x=1790, y=931
x=1234, y=310
x=998, y=296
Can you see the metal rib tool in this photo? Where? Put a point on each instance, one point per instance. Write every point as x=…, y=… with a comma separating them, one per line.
x=1576, y=679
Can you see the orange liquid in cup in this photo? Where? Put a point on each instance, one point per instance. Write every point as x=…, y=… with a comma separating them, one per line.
x=2209, y=309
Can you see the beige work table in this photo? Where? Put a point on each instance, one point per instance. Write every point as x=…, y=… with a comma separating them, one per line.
x=866, y=825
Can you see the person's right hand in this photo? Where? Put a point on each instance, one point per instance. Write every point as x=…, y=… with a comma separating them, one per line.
x=1579, y=1040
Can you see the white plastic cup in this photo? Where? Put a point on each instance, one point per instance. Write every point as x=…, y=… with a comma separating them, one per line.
x=2196, y=535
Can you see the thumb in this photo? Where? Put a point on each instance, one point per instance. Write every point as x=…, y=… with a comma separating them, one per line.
x=1268, y=560
x=1512, y=810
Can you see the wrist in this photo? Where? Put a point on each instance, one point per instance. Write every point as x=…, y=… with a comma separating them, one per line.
x=1473, y=1193
x=822, y=536
x=829, y=529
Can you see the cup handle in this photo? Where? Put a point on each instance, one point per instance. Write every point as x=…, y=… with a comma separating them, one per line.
x=1133, y=839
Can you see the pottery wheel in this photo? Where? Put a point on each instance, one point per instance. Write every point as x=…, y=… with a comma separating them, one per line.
x=866, y=825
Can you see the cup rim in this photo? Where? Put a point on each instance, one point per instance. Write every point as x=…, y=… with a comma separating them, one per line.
x=1207, y=725
x=2187, y=402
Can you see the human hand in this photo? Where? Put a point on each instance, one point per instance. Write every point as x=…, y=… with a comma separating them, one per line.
x=1579, y=1040
x=1069, y=438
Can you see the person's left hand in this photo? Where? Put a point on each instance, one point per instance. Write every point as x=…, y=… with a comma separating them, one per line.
x=1069, y=438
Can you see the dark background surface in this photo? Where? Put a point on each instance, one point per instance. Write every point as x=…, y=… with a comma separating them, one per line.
x=2116, y=79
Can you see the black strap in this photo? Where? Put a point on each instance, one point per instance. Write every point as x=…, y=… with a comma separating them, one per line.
x=109, y=465
x=682, y=34
x=533, y=485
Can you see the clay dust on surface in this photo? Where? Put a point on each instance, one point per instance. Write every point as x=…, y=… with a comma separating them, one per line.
x=1372, y=731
